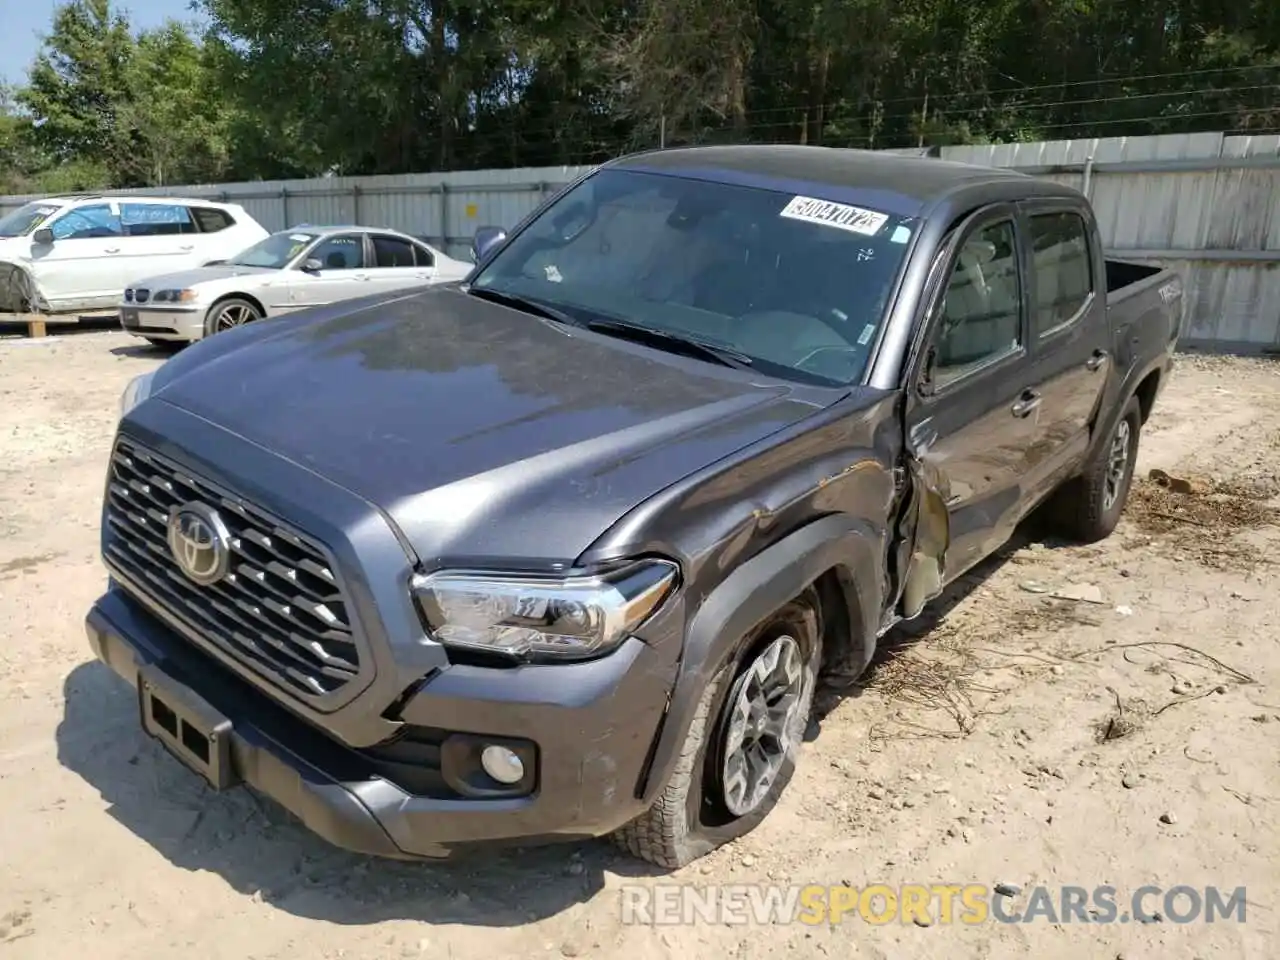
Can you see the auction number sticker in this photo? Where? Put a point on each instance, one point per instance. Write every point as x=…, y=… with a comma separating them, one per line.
x=830, y=214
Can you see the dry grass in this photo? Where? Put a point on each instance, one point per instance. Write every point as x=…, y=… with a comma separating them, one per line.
x=1206, y=521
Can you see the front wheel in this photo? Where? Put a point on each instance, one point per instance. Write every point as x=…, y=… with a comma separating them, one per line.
x=229, y=313
x=741, y=748
x=1089, y=507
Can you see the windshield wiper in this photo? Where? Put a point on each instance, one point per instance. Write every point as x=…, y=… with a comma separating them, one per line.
x=527, y=304
x=690, y=346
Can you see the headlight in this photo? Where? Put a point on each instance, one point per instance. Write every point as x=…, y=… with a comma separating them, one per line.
x=560, y=619
x=139, y=389
x=174, y=296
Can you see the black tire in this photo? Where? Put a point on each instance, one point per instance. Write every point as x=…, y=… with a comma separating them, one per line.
x=228, y=313
x=692, y=815
x=1088, y=508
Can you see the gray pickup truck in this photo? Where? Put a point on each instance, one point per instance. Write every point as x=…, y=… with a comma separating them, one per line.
x=562, y=550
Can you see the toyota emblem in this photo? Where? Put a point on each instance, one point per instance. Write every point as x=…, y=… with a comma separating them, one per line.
x=200, y=543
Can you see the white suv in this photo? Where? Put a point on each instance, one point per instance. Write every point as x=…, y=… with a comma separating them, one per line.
x=78, y=253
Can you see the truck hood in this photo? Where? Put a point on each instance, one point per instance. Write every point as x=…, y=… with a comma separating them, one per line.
x=484, y=434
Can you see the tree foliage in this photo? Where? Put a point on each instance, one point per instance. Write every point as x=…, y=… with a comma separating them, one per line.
x=282, y=88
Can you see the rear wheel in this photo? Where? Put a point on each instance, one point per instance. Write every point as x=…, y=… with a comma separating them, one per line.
x=1088, y=508
x=742, y=746
x=229, y=313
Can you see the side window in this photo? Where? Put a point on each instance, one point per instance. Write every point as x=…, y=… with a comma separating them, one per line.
x=87, y=223
x=425, y=257
x=343, y=252
x=391, y=251
x=155, y=219
x=1063, y=269
x=211, y=220
x=982, y=308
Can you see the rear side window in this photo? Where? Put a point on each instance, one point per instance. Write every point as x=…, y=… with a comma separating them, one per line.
x=211, y=220
x=425, y=257
x=155, y=219
x=392, y=251
x=1062, y=268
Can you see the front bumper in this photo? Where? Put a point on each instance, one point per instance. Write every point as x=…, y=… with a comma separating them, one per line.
x=590, y=728
x=170, y=322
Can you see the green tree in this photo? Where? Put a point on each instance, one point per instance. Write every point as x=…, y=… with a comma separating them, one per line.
x=77, y=87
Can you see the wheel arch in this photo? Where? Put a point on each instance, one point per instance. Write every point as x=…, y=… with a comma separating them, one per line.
x=236, y=295
x=837, y=555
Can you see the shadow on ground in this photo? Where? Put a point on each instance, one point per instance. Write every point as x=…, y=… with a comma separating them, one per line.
x=262, y=851
x=904, y=636
x=143, y=348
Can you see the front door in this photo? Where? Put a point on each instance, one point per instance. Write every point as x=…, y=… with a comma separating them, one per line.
x=81, y=269
x=343, y=273
x=970, y=416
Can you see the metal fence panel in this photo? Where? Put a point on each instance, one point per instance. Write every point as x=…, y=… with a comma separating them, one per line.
x=1203, y=202
x=444, y=207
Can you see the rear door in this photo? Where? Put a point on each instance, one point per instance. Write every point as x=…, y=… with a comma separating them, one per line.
x=344, y=272
x=969, y=415
x=159, y=238
x=395, y=264
x=1069, y=333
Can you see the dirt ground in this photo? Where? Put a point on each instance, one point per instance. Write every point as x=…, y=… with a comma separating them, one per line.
x=1016, y=737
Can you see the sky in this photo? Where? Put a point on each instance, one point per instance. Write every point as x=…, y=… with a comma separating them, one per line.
x=25, y=21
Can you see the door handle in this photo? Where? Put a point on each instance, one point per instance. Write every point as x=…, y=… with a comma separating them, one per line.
x=189, y=246
x=1098, y=358
x=362, y=276
x=1025, y=404
x=112, y=250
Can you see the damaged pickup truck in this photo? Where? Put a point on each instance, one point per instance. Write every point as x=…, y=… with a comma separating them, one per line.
x=561, y=551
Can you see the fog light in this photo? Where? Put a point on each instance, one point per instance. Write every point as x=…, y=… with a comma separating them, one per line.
x=501, y=764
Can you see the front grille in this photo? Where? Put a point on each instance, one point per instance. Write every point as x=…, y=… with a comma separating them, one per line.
x=279, y=610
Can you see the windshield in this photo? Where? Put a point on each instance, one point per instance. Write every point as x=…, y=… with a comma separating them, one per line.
x=798, y=285
x=26, y=219
x=275, y=252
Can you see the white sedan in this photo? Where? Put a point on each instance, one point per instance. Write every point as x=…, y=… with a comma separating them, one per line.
x=290, y=270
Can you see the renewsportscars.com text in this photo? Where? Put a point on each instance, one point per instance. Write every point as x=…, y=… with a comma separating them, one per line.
x=925, y=904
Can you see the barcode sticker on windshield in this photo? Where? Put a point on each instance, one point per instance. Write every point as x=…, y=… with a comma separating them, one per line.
x=838, y=215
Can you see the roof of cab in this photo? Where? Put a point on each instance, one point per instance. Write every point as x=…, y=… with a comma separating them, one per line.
x=902, y=182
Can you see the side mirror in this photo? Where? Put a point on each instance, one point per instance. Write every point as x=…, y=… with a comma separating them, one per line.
x=312, y=265
x=43, y=236
x=485, y=240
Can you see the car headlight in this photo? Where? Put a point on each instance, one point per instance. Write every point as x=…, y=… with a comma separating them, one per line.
x=569, y=618
x=137, y=390
x=174, y=296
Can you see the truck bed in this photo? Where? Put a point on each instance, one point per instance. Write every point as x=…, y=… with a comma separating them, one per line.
x=1145, y=299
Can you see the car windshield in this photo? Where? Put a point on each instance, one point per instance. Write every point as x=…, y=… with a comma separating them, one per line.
x=274, y=252
x=26, y=219
x=796, y=284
